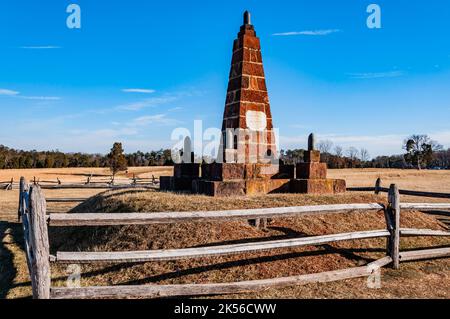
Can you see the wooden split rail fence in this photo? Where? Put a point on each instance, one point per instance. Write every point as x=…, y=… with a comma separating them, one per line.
x=8, y=185
x=32, y=207
x=147, y=183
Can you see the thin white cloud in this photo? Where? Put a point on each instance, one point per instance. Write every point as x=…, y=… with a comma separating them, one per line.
x=178, y=108
x=310, y=32
x=17, y=95
x=442, y=137
x=111, y=133
x=8, y=92
x=152, y=102
x=146, y=91
x=161, y=119
x=300, y=126
x=41, y=47
x=376, y=75
x=41, y=98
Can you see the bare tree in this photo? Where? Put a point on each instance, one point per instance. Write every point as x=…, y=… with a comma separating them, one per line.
x=352, y=153
x=339, y=151
x=325, y=146
x=364, y=155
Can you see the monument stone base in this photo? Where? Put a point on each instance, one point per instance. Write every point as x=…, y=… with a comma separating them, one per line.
x=229, y=179
x=233, y=179
x=250, y=187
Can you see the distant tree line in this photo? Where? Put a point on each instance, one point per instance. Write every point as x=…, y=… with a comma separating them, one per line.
x=420, y=152
x=11, y=158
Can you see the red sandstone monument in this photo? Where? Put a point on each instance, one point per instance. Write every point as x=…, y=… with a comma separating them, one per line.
x=247, y=162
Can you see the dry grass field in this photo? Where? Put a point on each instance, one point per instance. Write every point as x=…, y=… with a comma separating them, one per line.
x=427, y=279
x=424, y=180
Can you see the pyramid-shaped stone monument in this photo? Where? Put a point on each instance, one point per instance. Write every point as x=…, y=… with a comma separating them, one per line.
x=247, y=162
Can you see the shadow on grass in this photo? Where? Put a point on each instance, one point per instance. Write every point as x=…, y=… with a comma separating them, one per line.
x=8, y=271
x=442, y=216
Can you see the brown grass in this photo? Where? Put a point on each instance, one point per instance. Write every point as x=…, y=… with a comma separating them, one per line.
x=414, y=280
x=424, y=180
x=80, y=174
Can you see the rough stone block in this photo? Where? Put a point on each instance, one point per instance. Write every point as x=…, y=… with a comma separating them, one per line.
x=317, y=186
x=312, y=157
x=241, y=187
x=256, y=187
x=311, y=170
x=166, y=183
x=240, y=171
x=285, y=171
x=187, y=170
x=264, y=170
x=251, y=42
x=169, y=183
x=230, y=171
x=312, y=186
x=340, y=186
x=279, y=185
x=266, y=186
x=223, y=171
x=250, y=68
x=224, y=188
x=183, y=183
x=254, y=96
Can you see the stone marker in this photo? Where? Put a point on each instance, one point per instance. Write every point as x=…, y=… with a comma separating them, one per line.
x=312, y=174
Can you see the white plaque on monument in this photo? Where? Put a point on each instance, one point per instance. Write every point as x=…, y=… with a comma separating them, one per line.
x=256, y=121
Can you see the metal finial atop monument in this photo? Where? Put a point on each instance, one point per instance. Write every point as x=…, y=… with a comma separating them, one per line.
x=311, y=142
x=247, y=18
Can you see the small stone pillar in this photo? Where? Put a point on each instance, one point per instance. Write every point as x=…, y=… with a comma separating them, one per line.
x=311, y=176
x=311, y=168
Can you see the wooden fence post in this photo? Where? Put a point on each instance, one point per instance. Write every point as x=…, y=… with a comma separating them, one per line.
x=23, y=187
x=10, y=186
x=394, y=216
x=40, y=250
x=259, y=223
x=377, y=186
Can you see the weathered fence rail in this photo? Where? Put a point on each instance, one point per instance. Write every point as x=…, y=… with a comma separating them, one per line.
x=158, y=291
x=378, y=189
x=65, y=200
x=32, y=210
x=98, y=186
x=200, y=216
x=175, y=254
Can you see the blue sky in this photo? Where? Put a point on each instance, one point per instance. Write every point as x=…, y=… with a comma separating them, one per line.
x=138, y=69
